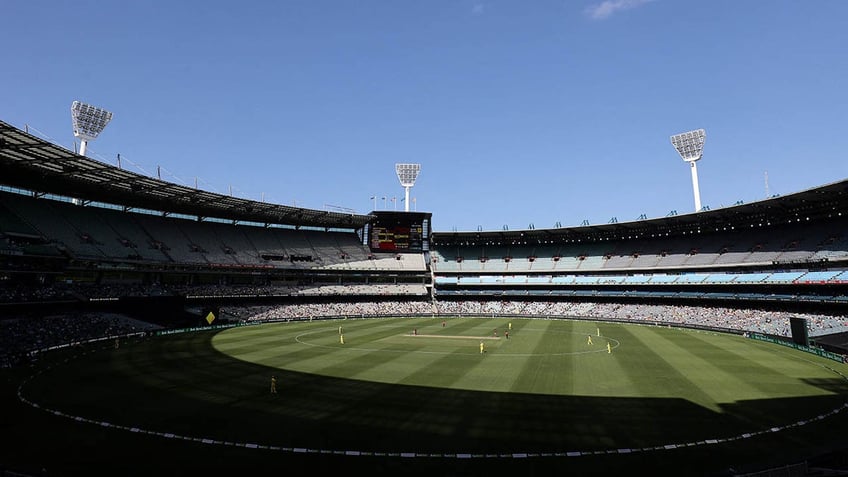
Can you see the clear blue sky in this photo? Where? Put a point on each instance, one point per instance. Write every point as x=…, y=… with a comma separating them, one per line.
x=519, y=112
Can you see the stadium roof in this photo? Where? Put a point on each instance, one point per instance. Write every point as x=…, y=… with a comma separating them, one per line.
x=31, y=163
x=825, y=202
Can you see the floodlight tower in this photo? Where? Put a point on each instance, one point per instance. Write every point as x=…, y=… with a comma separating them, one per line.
x=88, y=122
x=407, y=173
x=690, y=146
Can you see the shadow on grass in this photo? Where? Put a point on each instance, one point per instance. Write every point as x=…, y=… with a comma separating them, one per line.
x=182, y=385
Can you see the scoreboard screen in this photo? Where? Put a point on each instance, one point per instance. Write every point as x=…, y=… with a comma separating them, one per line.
x=396, y=237
x=398, y=232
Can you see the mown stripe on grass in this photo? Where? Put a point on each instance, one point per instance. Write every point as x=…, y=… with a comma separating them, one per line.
x=752, y=377
x=549, y=372
x=661, y=368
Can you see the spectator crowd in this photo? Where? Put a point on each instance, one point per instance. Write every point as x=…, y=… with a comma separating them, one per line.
x=19, y=336
x=768, y=322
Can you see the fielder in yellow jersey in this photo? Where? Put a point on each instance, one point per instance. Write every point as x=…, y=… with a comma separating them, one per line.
x=481, y=347
x=590, y=340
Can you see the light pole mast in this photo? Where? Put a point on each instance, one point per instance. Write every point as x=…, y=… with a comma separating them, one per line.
x=690, y=146
x=407, y=174
x=88, y=121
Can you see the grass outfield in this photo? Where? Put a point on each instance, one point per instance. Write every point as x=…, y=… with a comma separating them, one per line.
x=416, y=396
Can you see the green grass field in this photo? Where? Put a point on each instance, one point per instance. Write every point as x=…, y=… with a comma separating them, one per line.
x=416, y=395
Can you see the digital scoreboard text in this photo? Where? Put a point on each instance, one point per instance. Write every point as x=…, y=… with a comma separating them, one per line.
x=397, y=237
x=392, y=231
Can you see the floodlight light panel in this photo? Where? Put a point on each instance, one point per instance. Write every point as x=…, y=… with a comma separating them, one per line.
x=407, y=173
x=88, y=121
x=690, y=145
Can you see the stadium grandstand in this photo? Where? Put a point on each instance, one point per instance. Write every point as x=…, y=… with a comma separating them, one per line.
x=108, y=253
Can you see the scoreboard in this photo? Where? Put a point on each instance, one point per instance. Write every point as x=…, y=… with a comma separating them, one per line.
x=397, y=237
x=399, y=231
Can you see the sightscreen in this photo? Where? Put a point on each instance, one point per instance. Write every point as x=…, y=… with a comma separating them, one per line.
x=799, y=331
